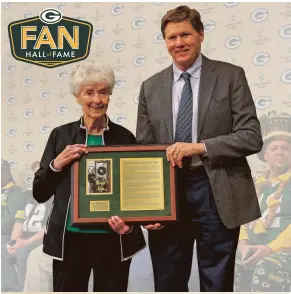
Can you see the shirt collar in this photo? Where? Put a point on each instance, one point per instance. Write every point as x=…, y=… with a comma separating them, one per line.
x=105, y=126
x=193, y=70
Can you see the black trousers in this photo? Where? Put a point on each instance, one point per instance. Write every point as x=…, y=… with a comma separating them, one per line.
x=85, y=252
x=172, y=247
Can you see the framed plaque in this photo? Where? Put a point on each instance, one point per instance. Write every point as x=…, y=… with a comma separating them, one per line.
x=136, y=183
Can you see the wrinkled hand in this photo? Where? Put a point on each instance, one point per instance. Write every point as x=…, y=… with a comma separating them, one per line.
x=261, y=251
x=118, y=225
x=179, y=150
x=70, y=153
x=154, y=227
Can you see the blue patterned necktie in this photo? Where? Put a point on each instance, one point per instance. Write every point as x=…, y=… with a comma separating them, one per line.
x=185, y=114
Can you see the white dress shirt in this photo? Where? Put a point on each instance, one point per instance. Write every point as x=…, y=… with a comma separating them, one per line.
x=177, y=87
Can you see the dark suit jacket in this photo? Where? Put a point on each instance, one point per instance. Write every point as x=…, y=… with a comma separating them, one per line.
x=228, y=125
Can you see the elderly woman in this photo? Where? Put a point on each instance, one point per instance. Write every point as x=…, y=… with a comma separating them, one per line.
x=76, y=251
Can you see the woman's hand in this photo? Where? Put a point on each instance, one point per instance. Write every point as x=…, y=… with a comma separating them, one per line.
x=70, y=153
x=154, y=227
x=118, y=225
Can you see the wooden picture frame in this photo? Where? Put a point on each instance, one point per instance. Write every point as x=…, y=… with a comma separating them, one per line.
x=134, y=182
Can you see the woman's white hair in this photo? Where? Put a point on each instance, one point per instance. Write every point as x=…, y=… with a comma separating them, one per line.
x=90, y=72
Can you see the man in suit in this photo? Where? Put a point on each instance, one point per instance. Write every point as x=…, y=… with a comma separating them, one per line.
x=204, y=109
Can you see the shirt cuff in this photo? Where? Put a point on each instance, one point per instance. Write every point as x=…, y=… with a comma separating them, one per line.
x=52, y=168
x=204, y=147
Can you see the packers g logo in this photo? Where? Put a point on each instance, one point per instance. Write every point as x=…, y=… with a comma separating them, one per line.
x=10, y=68
x=138, y=23
x=43, y=95
x=62, y=75
x=62, y=108
x=285, y=32
x=158, y=38
x=209, y=26
x=44, y=128
x=98, y=32
x=27, y=81
x=11, y=100
x=119, y=119
x=119, y=83
x=261, y=58
x=263, y=102
x=117, y=9
x=139, y=60
x=28, y=146
x=117, y=46
x=260, y=15
x=50, y=16
x=50, y=39
x=286, y=77
x=28, y=113
x=233, y=42
x=11, y=132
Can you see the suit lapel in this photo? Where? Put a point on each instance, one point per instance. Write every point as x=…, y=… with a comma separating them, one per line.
x=207, y=83
x=166, y=95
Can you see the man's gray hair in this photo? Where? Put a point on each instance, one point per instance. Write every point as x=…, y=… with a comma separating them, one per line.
x=90, y=72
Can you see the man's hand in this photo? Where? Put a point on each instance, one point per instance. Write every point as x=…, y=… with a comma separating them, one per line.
x=118, y=225
x=10, y=249
x=179, y=150
x=154, y=227
x=70, y=153
x=20, y=243
x=261, y=251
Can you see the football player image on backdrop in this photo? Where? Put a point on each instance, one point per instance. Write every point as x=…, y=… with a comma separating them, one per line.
x=36, y=215
x=12, y=218
x=264, y=257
